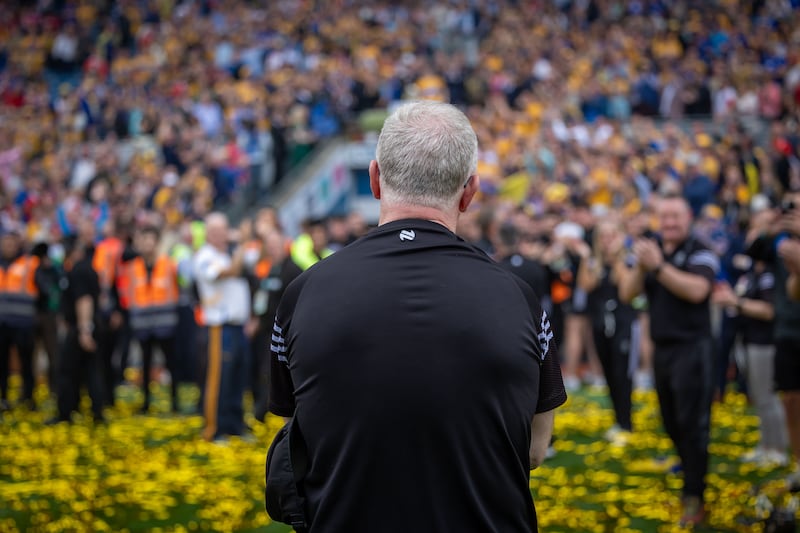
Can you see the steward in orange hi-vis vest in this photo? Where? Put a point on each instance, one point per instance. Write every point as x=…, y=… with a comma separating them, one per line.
x=106, y=261
x=18, y=292
x=152, y=298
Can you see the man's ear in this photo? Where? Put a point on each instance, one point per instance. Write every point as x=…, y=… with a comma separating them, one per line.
x=470, y=188
x=375, y=179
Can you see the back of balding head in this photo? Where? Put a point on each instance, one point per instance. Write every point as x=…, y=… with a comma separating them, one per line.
x=216, y=220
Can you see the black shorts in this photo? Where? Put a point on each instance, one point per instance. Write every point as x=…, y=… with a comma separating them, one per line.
x=787, y=364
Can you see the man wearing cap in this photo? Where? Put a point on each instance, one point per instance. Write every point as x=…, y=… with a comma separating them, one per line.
x=19, y=292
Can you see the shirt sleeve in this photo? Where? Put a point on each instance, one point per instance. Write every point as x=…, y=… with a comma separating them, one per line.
x=703, y=262
x=83, y=281
x=281, y=385
x=41, y=281
x=765, y=286
x=551, y=384
x=281, y=394
x=207, y=268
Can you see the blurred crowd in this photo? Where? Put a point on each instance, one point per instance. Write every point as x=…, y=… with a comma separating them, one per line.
x=120, y=116
x=160, y=108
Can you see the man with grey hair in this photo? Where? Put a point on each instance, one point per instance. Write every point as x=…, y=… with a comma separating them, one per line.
x=225, y=305
x=420, y=375
x=426, y=152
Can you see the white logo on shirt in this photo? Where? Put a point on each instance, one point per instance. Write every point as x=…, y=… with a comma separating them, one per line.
x=545, y=335
x=407, y=235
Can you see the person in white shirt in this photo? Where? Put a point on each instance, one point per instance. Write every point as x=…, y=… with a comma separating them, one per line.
x=225, y=304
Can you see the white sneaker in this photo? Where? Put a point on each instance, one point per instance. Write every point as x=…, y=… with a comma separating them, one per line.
x=756, y=455
x=643, y=380
x=594, y=380
x=612, y=432
x=618, y=436
x=793, y=481
x=572, y=383
x=774, y=459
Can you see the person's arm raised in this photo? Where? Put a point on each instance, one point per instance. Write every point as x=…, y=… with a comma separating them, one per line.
x=693, y=285
x=630, y=281
x=693, y=288
x=588, y=270
x=789, y=252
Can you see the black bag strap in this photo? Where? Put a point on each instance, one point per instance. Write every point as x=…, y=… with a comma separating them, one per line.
x=286, y=467
x=298, y=457
x=298, y=452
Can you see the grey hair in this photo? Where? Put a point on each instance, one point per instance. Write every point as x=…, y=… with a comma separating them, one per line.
x=216, y=218
x=426, y=153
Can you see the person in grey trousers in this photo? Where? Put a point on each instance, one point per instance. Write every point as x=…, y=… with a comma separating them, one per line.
x=751, y=301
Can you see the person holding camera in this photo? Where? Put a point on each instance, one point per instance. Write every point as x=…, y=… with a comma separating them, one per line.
x=782, y=251
x=615, y=326
x=750, y=305
x=563, y=258
x=677, y=273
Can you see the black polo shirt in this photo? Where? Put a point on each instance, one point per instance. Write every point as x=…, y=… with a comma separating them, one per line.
x=416, y=365
x=673, y=320
x=80, y=280
x=757, y=286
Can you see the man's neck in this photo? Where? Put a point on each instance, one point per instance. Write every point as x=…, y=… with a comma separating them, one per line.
x=149, y=259
x=402, y=212
x=669, y=247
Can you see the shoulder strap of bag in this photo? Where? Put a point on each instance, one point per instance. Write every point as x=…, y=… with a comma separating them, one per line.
x=298, y=453
x=286, y=468
x=298, y=458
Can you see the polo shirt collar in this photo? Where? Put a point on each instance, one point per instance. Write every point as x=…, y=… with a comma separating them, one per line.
x=415, y=224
